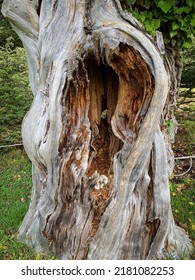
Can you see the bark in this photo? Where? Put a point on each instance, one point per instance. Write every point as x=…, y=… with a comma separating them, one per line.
x=174, y=66
x=100, y=169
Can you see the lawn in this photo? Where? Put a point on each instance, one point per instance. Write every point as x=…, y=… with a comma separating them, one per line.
x=183, y=187
x=15, y=189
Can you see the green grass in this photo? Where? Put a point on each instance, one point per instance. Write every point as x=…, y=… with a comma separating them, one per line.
x=15, y=189
x=183, y=187
x=183, y=205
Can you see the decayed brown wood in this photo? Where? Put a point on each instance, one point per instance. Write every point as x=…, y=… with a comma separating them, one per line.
x=100, y=169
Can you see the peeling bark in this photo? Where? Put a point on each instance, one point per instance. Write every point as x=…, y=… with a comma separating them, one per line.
x=100, y=169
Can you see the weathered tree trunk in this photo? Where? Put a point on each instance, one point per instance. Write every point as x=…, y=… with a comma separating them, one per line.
x=100, y=169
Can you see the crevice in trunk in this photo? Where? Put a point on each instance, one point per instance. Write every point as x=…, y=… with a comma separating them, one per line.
x=103, y=90
x=39, y=7
x=152, y=223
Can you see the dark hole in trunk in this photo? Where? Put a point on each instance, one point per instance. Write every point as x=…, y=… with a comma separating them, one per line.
x=103, y=91
x=103, y=88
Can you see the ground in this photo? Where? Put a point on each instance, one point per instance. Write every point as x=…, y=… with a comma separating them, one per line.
x=183, y=187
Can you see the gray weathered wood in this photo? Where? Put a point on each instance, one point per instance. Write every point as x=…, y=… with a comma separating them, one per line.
x=100, y=168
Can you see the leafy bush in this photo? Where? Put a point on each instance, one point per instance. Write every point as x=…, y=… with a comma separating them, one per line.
x=186, y=102
x=175, y=19
x=188, y=80
x=15, y=93
x=6, y=32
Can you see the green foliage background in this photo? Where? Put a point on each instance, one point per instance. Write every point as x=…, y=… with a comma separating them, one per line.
x=188, y=76
x=174, y=18
x=15, y=93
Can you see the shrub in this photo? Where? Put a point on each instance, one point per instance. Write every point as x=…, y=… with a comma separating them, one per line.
x=15, y=93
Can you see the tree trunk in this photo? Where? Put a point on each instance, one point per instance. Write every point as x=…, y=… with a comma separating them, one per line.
x=100, y=169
